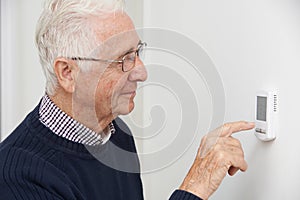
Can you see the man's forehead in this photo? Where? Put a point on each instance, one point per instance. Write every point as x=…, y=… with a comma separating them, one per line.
x=115, y=47
x=116, y=32
x=113, y=24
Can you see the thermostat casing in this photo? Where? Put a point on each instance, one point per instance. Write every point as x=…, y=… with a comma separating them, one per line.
x=266, y=115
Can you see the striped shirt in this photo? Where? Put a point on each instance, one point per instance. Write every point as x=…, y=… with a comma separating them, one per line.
x=65, y=126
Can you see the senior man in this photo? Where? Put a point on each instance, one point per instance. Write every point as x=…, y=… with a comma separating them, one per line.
x=90, y=54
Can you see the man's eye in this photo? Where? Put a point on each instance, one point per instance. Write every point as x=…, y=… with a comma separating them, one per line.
x=130, y=57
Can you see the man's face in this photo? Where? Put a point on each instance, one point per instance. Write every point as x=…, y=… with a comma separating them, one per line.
x=105, y=87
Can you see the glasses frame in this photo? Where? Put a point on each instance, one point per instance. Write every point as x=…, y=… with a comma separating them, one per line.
x=140, y=47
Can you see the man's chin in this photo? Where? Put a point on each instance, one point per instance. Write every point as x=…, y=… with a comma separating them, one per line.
x=125, y=110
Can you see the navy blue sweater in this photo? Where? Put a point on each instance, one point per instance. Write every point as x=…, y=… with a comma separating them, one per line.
x=37, y=164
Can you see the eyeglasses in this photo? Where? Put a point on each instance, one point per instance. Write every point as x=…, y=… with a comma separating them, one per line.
x=128, y=60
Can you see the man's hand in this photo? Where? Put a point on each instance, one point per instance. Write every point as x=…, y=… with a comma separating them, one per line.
x=218, y=154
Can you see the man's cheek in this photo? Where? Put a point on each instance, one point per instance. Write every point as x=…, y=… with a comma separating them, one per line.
x=105, y=94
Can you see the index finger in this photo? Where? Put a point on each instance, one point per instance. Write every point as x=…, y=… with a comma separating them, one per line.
x=232, y=127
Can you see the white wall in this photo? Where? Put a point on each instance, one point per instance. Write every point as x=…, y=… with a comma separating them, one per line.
x=255, y=45
x=22, y=80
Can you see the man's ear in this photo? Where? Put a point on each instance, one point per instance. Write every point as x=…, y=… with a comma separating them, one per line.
x=66, y=72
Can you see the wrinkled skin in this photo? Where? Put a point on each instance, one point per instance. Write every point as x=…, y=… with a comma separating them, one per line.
x=219, y=154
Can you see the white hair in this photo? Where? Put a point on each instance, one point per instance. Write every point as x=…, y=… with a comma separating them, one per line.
x=63, y=31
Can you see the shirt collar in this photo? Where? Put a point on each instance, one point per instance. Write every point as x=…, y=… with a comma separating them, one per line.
x=65, y=126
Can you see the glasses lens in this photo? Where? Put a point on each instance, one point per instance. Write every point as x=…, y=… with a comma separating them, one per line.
x=129, y=61
x=141, y=52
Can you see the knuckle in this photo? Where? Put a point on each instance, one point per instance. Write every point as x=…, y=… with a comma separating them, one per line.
x=236, y=142
x=233, y=142
x=226, y=125
x=240, y=153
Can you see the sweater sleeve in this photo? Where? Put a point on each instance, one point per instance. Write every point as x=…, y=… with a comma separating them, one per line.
x=26, y=176
x=17, y=185
x=25, y=191
x=183, y=195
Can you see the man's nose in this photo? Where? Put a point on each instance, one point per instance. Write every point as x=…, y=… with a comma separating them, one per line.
x=139, y=72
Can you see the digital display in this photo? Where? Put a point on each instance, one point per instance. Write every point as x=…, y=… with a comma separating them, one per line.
x=261, y=112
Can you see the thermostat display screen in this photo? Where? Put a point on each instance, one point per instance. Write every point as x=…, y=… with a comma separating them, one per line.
x=261, y=113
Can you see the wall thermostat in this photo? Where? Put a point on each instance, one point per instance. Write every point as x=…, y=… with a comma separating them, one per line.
x=266, y=119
